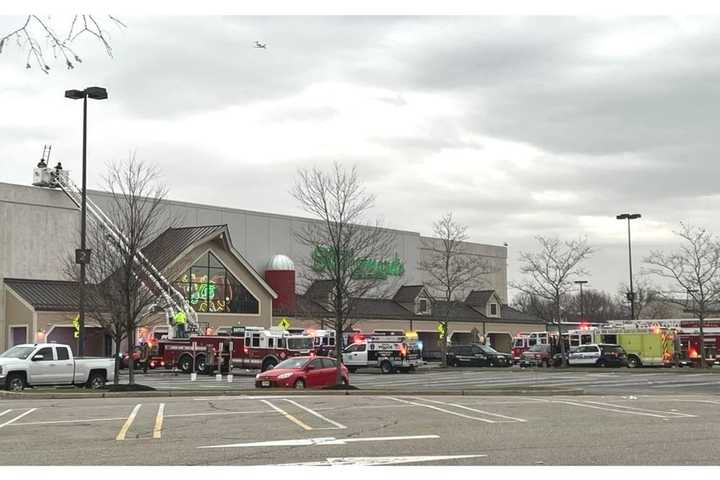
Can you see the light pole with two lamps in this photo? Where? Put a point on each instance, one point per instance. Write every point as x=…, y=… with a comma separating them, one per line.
x=631, y=293
x=82, y=255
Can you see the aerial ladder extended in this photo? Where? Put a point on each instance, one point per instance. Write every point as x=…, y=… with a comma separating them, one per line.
x=170, y=300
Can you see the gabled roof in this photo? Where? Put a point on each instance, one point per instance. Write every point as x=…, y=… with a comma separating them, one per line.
x=174, y=241
x=50, y=295
x=458, y=311
x=408, y=293
x=479, y=298
x=377, y=308
x=319, y=290
x=512, y=315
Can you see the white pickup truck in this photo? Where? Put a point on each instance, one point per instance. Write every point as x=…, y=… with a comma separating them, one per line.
x=52, y=364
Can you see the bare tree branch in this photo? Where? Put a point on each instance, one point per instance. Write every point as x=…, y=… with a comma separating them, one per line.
x=37, y=30
x=550, y=274
x=451, y=267
x=695, y=269
x=345, y=242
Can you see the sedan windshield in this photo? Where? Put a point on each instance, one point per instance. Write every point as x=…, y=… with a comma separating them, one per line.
x=18, y=352
x=297, y=362
x=300, y=343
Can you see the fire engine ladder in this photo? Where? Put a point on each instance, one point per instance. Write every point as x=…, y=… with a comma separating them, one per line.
x=172, y=300
x=644, y=324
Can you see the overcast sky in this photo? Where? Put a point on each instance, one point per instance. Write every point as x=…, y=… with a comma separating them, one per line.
x=520, y=126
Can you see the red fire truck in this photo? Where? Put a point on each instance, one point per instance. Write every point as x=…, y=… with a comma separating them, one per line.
x=523, y=341
x=251, y=348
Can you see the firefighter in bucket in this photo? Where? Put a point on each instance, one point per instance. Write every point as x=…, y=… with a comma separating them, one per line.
x=180, y=321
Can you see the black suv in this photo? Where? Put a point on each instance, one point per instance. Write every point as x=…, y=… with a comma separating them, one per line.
x=477, y=355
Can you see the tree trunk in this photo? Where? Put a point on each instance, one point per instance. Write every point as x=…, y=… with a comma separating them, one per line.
x=563, y=360
x=701, y=323
x=118, y=357
x=338, y=348
x=131, y=351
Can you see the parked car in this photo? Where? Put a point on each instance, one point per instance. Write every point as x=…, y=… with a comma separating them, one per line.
x=601, y=355
x=302, y=372
x=537, y=355
x=52, y=364
x=477, y=355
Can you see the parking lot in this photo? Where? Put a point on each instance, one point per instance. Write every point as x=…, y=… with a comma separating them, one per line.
x=594, y=381
x=357, y=429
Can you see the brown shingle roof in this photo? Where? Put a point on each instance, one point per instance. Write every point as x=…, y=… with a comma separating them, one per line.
x=174, y=241
x=479, y=298
x=50, y=295
x=407, y=293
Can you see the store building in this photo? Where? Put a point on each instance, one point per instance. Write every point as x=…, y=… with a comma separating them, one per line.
x=249, y=262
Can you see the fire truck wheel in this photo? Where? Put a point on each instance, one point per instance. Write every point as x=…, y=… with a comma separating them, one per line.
x=185, y=363
x=386, y=367
x=300, y=384
x=634, y=361
x=268, y=364
x=201, y=365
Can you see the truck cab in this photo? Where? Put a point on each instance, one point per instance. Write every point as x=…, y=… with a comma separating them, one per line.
x=51, y=364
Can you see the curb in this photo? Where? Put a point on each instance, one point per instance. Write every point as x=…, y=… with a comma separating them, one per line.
x=285, y=393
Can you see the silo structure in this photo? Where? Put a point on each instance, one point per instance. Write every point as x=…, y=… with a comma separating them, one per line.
x=280, y=275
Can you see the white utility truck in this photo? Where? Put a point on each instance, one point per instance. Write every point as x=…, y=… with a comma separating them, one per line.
x=390, y=351
x=52, y=364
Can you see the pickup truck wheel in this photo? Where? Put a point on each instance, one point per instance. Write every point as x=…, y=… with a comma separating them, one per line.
x=96, y=381
x=386, y=367
x=15, y=382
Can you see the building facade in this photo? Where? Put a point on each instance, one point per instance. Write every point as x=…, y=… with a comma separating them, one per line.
x=40, y=231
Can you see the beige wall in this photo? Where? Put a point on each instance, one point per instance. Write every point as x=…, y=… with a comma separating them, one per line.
x=16, y=314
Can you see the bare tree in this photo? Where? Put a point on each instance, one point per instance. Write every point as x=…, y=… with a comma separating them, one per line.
x=451, y=268
x=39, y=35
x=348, y=244
x=550, y=274
x=104, y=303
x=534, y=305
x=650, y=302
x=695, y=269
x=596, y=306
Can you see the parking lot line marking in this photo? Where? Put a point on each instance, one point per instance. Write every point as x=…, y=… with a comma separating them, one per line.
x=674, y=414
x=671, y=385
x=209, y=414
x=13, y=420
x=313, y=412
x=304, y=442
x=287, y=415
x=157, y=431
x=54, y=422
x=368, y=461
x=433, y=407
x=6, y=411
x=616, y=410
x=130, y=419
x=457, y=405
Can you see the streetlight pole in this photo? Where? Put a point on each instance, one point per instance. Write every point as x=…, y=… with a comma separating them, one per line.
x=82, y=256
x=631, y=293
x=582, y=300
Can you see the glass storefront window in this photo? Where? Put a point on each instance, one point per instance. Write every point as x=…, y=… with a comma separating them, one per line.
x=209, y=287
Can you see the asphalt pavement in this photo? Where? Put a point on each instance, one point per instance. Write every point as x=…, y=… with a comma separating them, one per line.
x=665, y=429
x=589, y=381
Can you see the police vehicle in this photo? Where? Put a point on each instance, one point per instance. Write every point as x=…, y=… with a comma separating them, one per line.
x=390, y=351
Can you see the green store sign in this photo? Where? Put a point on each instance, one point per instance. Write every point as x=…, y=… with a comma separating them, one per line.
x=370, y=268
